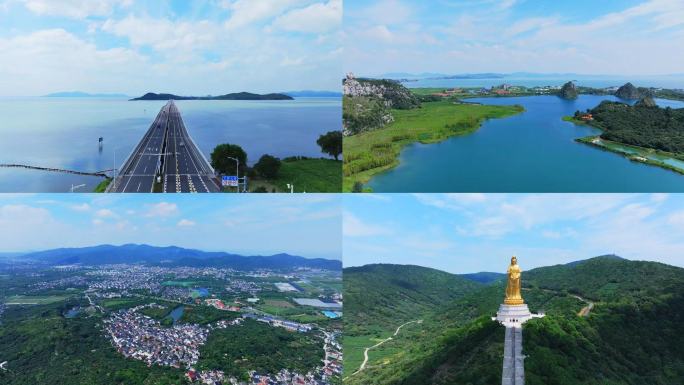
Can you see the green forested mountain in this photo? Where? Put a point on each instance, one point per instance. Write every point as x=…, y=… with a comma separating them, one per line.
x=632, y=335
x=382, y=296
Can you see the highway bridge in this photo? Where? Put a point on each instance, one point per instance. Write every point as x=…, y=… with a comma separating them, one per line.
x=166, y=160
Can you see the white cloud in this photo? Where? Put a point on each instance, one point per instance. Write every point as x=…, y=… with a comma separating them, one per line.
x=315, y=18
x=164, y=34
x=81, y=207
x=185, y=223
x=162, y=209
x=18, y=214
x=354, y=227
x=245, y=12
x=77, y=9
x=105, y=213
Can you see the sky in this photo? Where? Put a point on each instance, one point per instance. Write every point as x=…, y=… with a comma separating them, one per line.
x=467, y=233
x=625, y=37
x=308, y=225
x=188, y=47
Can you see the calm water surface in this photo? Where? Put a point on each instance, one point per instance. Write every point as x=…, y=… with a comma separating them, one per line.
x=531, y=152
x=63, y=133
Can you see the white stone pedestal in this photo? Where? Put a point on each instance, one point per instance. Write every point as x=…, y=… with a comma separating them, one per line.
x=513, y=315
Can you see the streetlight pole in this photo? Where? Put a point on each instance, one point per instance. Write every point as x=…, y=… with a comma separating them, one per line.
x=74, y=188
x=291, y=187
x=237, y=171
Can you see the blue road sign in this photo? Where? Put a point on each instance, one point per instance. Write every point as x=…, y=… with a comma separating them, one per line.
x=229, y=180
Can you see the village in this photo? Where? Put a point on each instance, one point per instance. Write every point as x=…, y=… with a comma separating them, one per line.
x=141, y=337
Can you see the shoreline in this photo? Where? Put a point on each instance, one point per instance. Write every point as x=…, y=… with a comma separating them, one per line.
x=641, y=155
x=392, y=139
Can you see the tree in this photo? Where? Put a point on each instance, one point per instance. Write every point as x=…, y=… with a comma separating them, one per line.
x=331, y=143
x=268, y=166
x=220, y=158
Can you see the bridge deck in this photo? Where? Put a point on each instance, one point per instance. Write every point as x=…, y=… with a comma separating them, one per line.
x=168, y=151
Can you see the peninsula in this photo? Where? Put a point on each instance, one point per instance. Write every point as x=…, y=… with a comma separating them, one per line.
x=642, y=132
x=232, y=96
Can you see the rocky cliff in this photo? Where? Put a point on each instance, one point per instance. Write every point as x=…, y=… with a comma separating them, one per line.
x=367, y=103
x=568, y=91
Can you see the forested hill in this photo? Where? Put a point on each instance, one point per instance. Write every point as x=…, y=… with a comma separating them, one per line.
x=233, y=96
x=383, y=296
x=641, y=125
x=632, y=336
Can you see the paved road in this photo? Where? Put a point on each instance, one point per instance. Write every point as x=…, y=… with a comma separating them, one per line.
x=167, y=151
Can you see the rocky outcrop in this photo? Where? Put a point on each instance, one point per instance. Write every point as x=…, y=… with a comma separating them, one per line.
x=628, y=91
x=646, y=102
x=391, y=91
x=568, y=91
x=367, y=103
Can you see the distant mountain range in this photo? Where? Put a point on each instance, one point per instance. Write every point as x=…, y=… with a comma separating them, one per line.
x=233, y=96
x=174, y=256
x=484, y=277
x=496, y=75
x=79, y=94
x=314, y=94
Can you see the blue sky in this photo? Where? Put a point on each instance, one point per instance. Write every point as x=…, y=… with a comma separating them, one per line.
x=251, y=224
x=464, y=233
x=182, y=46
x=620, y=37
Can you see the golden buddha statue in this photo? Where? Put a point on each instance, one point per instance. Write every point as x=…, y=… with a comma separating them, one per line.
x=513, y=296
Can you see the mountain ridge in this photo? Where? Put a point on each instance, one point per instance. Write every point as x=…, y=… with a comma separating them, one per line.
x=174, y=255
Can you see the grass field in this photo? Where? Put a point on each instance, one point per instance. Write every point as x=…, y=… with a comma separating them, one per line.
x=276, y=303
x=372, y=152
x=353, y=351
x=100, y=188
x=307, y=175
x=35, y=299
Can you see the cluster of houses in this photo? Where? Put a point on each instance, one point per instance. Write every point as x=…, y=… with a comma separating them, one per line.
x=208, y=377
x=332, y=363
x=75, y=281
x=140, y=337
x=242, y=286
x=218, y=304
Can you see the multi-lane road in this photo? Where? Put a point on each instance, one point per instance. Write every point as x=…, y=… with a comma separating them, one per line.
x=166, y=160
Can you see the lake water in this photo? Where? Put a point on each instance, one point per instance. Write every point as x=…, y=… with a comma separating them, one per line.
x=176, y=313
x=73, y=312
x=64, y=132
x=531, y=152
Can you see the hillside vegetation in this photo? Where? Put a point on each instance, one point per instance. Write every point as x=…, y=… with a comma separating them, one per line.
x=641, y=125
x=632, y=335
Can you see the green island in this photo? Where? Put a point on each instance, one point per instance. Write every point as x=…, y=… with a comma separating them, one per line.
x=643, y=133
x=371, y=152
x=607, y=319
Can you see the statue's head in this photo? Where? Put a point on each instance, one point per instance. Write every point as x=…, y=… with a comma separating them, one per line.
x=514, y=260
